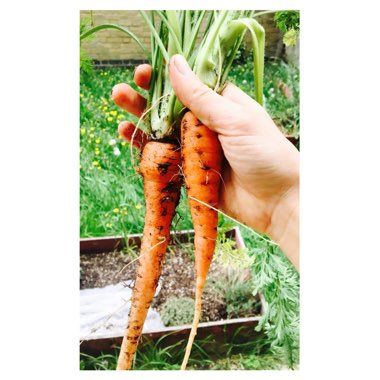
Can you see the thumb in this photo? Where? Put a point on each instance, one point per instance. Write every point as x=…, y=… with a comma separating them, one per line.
x=208, y=106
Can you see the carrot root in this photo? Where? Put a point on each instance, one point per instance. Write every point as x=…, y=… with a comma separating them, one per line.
x=162, y=182
x=201, y=160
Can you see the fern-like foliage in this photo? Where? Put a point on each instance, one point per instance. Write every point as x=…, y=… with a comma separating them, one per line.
x=278, y=281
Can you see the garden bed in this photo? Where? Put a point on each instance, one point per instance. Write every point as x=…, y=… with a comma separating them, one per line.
x=108, y=261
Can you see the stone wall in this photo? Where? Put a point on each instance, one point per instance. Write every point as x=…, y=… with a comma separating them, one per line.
x=113, y=45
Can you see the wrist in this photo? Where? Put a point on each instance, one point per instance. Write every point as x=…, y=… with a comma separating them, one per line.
x=284, y=226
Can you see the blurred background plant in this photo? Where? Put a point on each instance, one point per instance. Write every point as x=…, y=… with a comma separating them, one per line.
x=177, y=311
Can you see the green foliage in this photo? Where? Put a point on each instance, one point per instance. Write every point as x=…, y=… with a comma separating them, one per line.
x=275, y=277
x=227, y=253
x=86, y=64
x=157, y=355
x=287, y=20
x=282, y=107
x=178, y=311
x=235, y=287
x=289, y=23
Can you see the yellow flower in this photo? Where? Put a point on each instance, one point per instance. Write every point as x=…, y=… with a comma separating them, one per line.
x=92, y=129
x=113, y=113
x=105, y=108
x=89, y=141
x=97, y=141
x=123, y=143
x=97, y=153
x=92, y=135
x=110, y=119
x=81, y=95
x=99, y=168
x=107, y=113
x=125, y=213
x=138, y=206
x=80, y=166
x=115, y=210
x=83, y=131
x=120, y=116
x=95, y=163
x=91, y=96
x=124, y=208
x=80, y=150
x=109, y=225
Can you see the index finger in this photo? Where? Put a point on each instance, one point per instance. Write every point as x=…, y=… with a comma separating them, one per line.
x=142, y=75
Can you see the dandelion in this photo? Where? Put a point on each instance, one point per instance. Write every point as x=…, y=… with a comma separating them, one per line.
x=113, y=113
x=99, y=168
x=116, y=210
x=138, y=206
x=116, y=151
x=95, y=163
x=97, y=141
x=83, y=131
x=80, y=166
x=109, y=119
x=91, y=96
x=125, y=213
x=92, y=129
x=123, y=143
x=107, y=113
x=120, y=116
x=105, y=108
x=81, y=95
x=109, y=225
x=92, y=135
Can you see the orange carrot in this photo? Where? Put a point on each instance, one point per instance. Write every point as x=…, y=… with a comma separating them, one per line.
x=160, y=169
x=201, y=160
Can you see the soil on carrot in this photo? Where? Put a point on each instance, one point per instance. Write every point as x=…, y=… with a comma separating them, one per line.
x=177, y=278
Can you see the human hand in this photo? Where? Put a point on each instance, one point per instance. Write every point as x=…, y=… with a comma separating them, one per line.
x=260, y=185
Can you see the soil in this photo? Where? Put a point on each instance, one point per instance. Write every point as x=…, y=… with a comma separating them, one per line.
x=177, y=278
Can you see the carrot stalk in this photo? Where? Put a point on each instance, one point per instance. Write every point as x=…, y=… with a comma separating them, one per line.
x=159, y=167
x=201, y=160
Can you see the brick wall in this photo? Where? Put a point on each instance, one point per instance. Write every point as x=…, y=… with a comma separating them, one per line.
x=111, y=45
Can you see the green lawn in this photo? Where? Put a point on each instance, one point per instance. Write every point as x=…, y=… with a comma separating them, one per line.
x=112, y=202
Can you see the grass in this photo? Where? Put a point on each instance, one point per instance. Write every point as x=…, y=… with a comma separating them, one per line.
x=154, y=355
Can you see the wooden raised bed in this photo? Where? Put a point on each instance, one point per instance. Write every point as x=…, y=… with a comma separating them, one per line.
x=240, y=329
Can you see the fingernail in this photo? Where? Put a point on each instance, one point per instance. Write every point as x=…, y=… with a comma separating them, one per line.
x=180, y=64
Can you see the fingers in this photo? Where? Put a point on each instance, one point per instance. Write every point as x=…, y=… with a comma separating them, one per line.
x=127, y=131
x=129, y=99
x=142, y=76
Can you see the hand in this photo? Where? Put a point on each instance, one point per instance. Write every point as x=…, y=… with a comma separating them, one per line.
x=261, y=171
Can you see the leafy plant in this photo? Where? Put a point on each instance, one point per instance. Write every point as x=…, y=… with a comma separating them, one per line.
x=278, y=281
x=177, y=311
x=289, y=23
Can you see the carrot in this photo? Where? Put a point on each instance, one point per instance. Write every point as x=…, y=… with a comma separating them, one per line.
x=159, y=167
x=201, y=160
